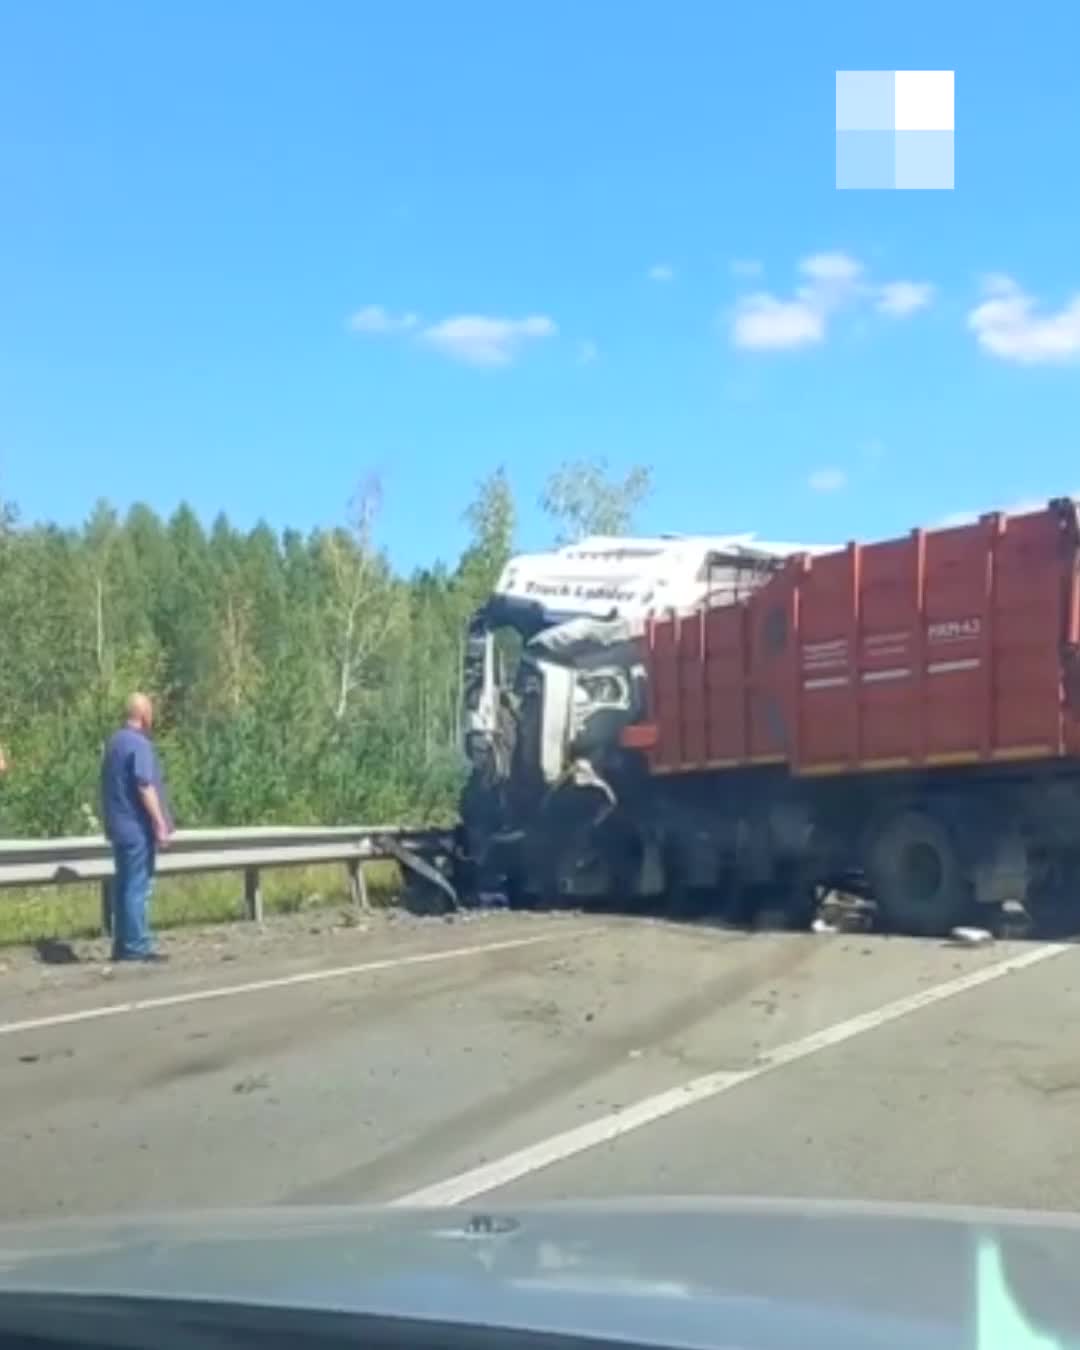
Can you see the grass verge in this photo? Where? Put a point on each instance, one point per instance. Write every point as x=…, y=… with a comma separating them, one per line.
x=74, y=911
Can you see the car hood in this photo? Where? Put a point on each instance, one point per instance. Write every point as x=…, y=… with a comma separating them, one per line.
x=668, y=1272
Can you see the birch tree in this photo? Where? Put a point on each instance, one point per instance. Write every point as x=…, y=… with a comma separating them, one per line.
x=361, y=609
x=583, y=498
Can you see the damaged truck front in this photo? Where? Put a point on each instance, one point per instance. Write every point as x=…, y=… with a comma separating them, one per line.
x=749, y=728
x=554, y=689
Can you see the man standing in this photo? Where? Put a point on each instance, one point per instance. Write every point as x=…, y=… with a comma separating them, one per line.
x=136, y=824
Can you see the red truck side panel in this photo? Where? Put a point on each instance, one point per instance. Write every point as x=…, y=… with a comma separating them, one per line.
x=661, y=658
x=942, y=647
x=726, y=689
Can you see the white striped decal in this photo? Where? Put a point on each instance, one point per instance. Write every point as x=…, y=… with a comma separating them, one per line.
x=893, y=673
x=946, y=667
x=878, y=676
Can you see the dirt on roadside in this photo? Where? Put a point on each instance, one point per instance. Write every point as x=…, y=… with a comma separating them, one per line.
x=321, y=936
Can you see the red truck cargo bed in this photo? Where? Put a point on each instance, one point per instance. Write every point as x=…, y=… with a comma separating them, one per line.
x=945, y=647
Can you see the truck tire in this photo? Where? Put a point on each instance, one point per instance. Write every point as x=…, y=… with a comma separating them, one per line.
x=916, y=876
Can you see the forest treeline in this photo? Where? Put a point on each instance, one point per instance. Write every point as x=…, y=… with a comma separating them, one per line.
x=299, y=678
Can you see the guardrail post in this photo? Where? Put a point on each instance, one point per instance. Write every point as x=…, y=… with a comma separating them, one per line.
x=106, y=906
x=358, y=885
x=253, y=899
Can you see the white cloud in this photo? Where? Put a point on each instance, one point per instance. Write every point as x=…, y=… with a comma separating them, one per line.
x=830, y=283
x=375, y=319
x=588, y=351
x=482, y=340
x=476, y=339
x=831, y=268
x=661, y=272
x=1007, y=326
x=898, y=299
x=834, y=281
x=746, y=267
x=764, y=323
x=827, y=480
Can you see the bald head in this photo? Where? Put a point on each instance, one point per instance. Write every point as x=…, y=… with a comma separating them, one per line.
x=139, y=712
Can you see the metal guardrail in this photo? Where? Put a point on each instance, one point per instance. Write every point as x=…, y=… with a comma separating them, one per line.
x=58, y=862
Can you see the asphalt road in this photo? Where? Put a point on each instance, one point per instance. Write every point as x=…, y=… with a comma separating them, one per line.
x=517, y=1058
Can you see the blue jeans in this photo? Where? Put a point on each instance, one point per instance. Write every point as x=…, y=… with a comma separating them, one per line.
x=134, y=861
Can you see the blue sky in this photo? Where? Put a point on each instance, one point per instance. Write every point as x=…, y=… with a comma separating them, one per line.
x=251, y=251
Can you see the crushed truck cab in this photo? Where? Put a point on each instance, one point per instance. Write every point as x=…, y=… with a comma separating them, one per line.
x=554, y=678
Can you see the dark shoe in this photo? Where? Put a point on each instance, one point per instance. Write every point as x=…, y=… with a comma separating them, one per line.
x=154, y=958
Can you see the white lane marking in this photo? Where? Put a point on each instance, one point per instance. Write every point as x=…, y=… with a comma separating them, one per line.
x=281, y=982
x=478, y=1180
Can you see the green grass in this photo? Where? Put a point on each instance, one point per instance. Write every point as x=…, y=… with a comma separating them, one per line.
x=74, y=911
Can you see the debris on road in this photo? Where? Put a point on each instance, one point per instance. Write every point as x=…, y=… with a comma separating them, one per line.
x=842, y=912
x=972, y=937
x=252, y=1083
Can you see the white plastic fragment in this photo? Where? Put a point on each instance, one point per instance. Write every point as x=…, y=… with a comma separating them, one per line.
x=973, y=937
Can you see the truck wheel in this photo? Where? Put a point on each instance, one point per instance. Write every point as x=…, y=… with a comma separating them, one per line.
x=916, y=877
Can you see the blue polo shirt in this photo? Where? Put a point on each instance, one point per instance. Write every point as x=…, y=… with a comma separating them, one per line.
x=130, y=762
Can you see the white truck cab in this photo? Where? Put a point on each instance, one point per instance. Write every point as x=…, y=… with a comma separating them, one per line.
x=579, y=609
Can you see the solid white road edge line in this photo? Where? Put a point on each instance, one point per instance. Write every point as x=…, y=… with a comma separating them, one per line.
x=282, y=982
x=479, y=1180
